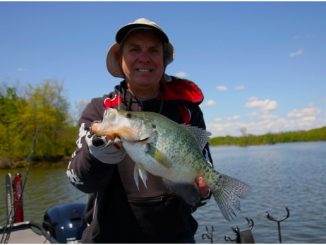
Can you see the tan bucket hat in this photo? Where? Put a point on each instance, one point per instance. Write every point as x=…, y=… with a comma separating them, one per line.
x=112, y=59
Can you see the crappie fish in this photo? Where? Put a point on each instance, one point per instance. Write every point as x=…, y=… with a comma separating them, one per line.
x=172, y=151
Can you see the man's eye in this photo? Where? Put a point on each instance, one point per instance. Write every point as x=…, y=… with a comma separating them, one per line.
x=134, y=49
x=154, y=51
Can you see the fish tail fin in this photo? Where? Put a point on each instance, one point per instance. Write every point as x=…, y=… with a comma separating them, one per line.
x=227, y=192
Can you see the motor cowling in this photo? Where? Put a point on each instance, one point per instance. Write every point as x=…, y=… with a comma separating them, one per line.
x=65, y=222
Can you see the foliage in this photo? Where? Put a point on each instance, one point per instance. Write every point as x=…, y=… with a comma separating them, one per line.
x=9, y=110
x=318, y=134
x=36, y=125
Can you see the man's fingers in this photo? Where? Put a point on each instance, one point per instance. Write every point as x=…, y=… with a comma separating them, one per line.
x=202, y=186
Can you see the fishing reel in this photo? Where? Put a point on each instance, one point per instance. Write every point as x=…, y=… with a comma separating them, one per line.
x=243, y=236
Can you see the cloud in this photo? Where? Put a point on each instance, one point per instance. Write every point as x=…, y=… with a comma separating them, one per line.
x=304, y=36
x=308, y=111
x=222, y=88
x=240, y=87
x=21, y=69
x=210, y=103
x=263, y=105
x=181, y=74
x=257, y=127
x=306, y=115
x=233, y=118
x=253, y=114
x=298, y=52
x=298, y=119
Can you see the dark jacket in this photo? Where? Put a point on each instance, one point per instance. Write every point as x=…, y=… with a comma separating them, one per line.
x=114, y=217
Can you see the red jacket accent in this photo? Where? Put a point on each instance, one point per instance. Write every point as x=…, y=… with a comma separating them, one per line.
x=112, y=103
x=185, y=114
x=181, y=90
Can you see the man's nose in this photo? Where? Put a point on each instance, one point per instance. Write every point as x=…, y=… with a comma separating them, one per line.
x=144, y=56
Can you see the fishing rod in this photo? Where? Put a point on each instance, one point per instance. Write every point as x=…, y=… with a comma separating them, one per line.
x=278, y=221
x=12, y=214
x=244, y=235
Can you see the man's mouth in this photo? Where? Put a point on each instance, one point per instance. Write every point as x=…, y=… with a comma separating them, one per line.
x=144, y=69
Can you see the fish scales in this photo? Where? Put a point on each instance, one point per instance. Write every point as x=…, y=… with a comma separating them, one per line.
x=179, y=146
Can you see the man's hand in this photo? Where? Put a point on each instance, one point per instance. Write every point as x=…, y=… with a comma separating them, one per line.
x=202, y=186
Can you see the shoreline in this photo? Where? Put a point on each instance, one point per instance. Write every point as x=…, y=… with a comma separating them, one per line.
x=4, y=164
x=38, y=164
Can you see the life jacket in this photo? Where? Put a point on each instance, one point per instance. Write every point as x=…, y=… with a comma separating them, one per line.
x=180, y=91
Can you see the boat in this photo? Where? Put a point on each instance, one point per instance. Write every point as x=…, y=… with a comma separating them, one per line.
x=25, y=232
x=64, y=223
x=61, y=223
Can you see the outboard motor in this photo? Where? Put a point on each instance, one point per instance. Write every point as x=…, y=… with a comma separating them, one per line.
x=65, y=222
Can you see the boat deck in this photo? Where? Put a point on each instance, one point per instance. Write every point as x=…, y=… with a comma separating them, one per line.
x=26, y=232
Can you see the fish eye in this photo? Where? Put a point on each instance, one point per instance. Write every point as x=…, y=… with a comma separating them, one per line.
x=128, y=115
x=153, y=126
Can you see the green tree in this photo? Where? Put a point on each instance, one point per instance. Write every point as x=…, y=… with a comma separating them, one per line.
x=9, y=113
x=46, y=114
x=35, y=125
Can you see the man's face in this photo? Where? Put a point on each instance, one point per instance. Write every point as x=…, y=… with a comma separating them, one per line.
x=142, y=60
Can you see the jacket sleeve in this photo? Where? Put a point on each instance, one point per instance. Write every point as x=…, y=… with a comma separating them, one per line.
x=86, y=172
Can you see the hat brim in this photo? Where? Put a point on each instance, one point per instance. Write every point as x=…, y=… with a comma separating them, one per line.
x=113, y=61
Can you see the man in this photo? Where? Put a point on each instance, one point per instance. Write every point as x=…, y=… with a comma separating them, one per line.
x=119, y=211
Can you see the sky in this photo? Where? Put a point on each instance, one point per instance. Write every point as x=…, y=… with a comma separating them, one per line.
x=260, y=65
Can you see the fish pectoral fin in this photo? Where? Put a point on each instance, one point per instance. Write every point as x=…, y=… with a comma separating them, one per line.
x=140, y=173
x=149, y=148
x=136, y=176
x=143, y=175
x=158, y=156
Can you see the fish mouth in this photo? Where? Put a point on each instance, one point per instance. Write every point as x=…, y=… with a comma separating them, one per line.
x=142, y=140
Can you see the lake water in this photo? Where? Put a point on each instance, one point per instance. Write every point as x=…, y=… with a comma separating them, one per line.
x=282, y=175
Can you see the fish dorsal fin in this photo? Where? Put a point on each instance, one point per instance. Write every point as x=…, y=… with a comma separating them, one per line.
x=201, y=135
